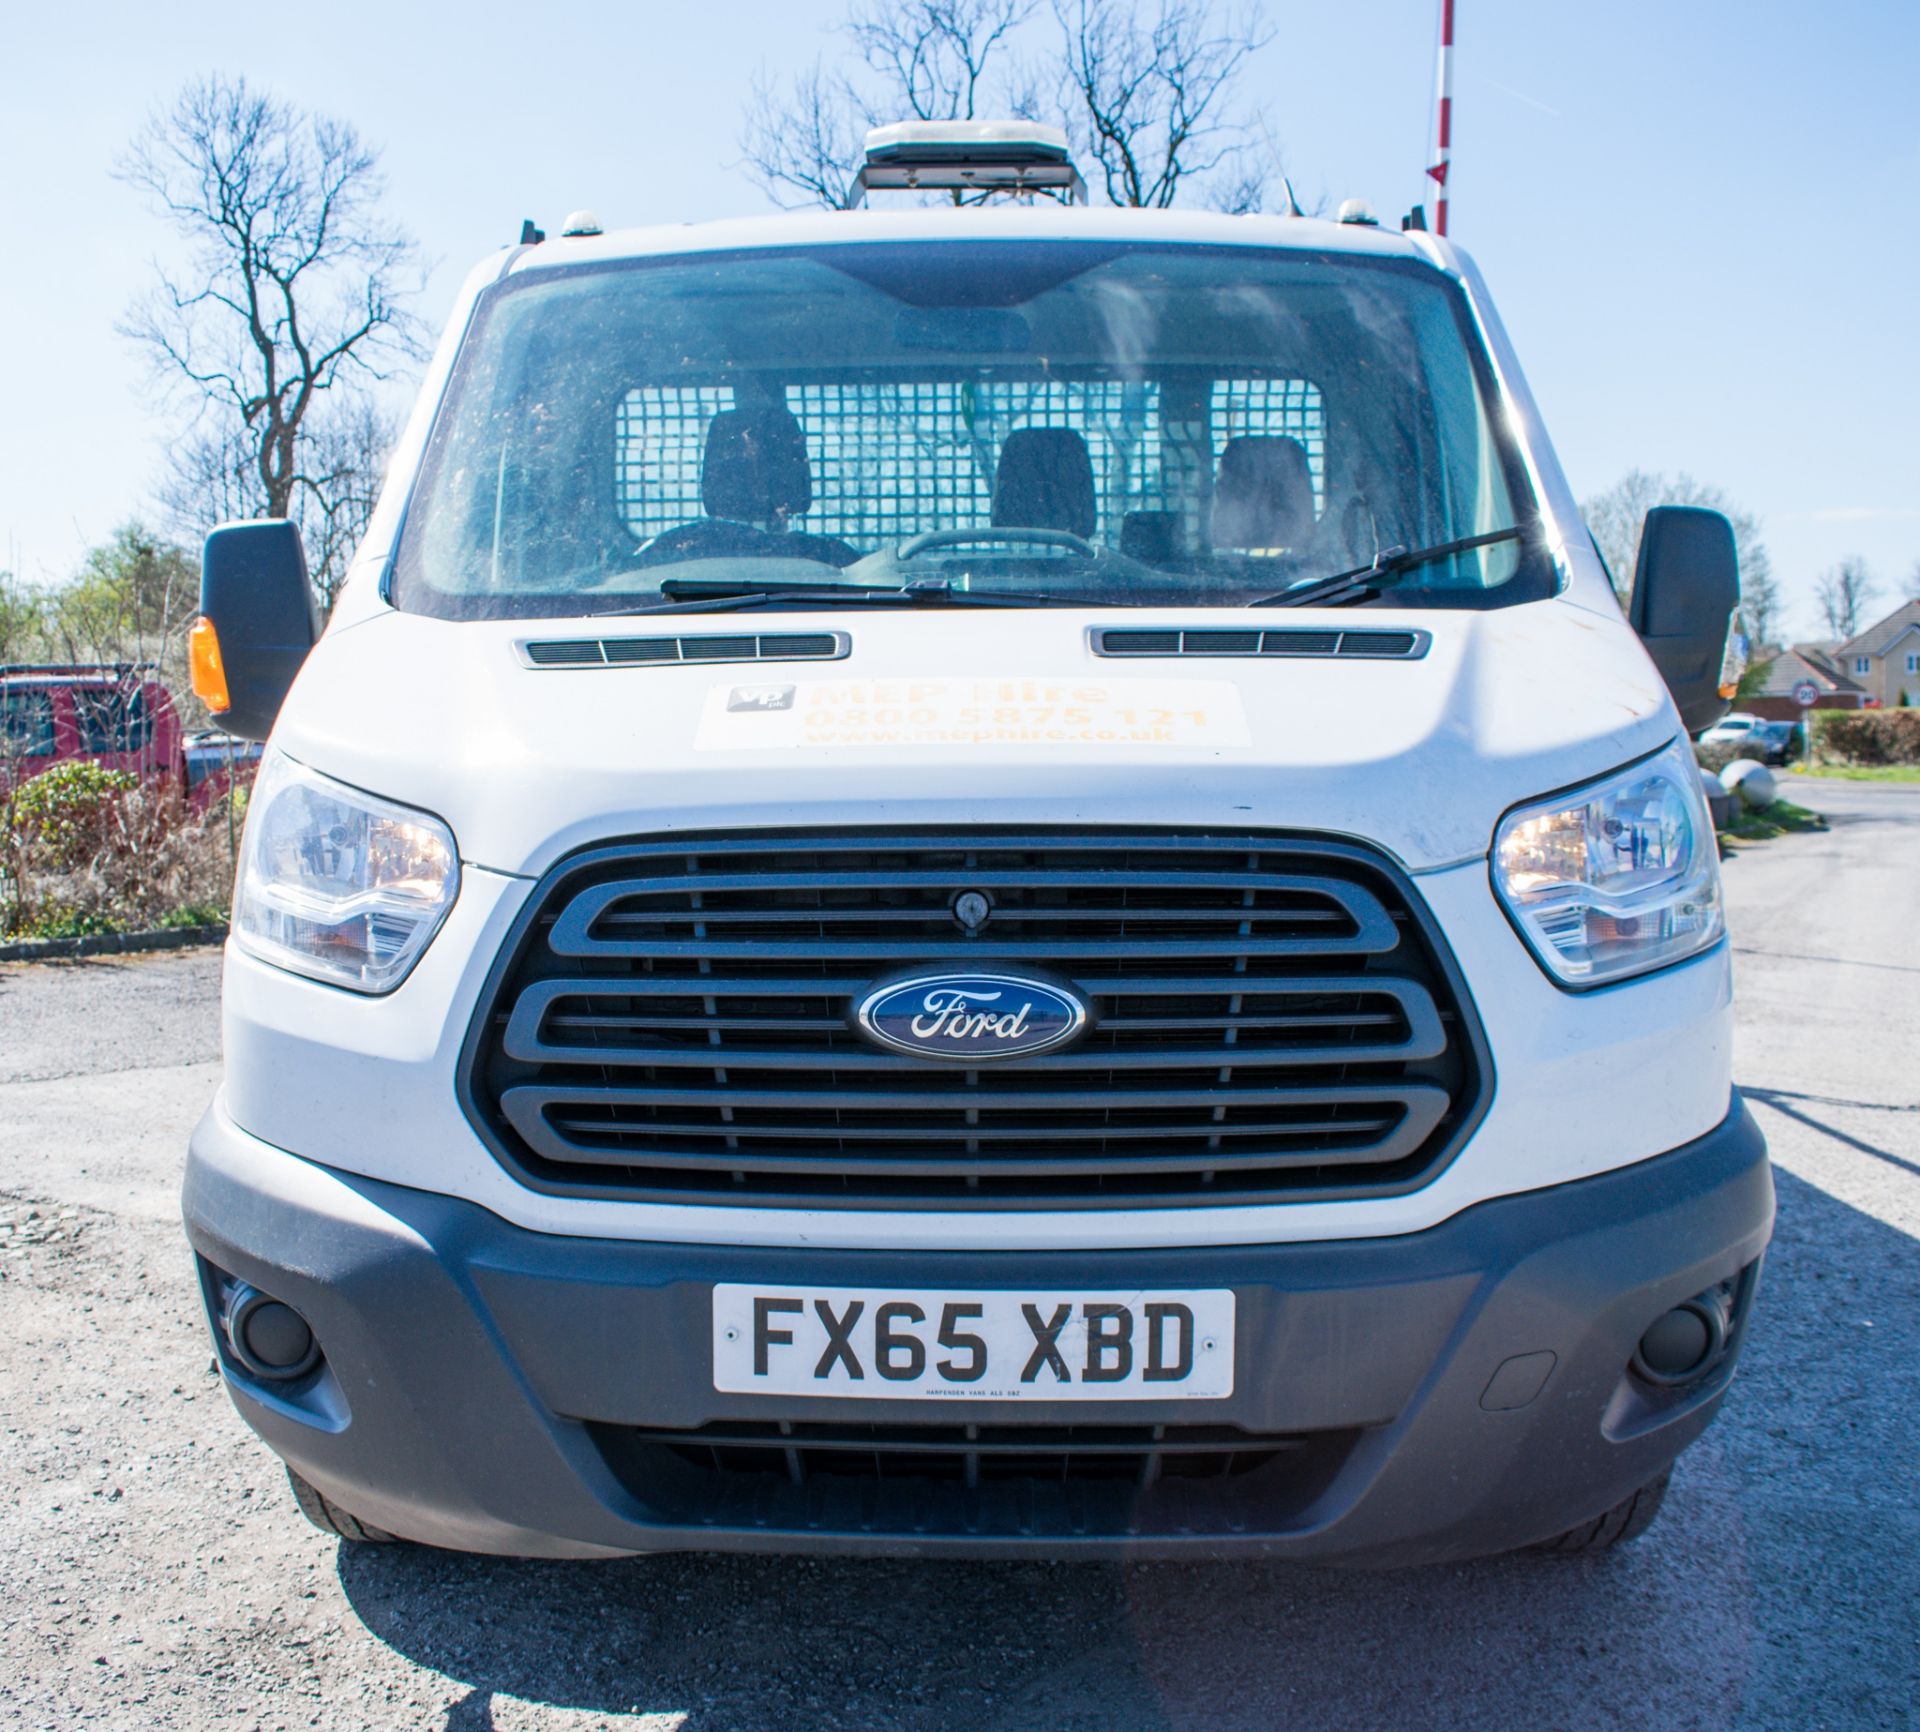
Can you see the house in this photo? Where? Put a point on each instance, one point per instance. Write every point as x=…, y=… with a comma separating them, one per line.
x=1884, y=660
x=1780, y=671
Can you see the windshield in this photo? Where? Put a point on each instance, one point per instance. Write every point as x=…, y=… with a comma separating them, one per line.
x=1081, y=423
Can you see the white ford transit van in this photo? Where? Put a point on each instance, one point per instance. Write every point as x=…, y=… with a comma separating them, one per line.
x=995, y=881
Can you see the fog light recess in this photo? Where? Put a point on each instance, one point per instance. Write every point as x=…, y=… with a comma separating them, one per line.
x=269, y=1337
x=1684, y=1343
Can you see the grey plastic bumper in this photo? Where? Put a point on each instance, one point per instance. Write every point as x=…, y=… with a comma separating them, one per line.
x=477, y=1378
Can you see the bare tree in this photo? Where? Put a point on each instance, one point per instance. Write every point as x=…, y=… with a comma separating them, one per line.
x=1150, y=103
x=926, y=60
x=936, y=56
x=344, y=445
x=1912, y=587
x=1615, y=518
x=346, y=460
x=1843, y=592
x=287, y=308
x=796, y=145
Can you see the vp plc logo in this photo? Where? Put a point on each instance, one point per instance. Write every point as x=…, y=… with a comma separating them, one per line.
x=760, y=698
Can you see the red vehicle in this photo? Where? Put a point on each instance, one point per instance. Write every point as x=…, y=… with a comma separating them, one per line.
x=115, y=714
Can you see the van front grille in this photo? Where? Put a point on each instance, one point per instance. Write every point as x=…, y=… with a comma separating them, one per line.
x=1269, y=1018
x=976, y=1480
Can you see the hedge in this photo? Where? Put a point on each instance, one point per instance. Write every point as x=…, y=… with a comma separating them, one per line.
x=1870, y=737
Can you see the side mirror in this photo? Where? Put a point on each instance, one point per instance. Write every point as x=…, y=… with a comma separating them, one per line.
x=257, y=622
x=1686, y=586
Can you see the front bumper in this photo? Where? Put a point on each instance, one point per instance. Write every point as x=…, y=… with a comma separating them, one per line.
x=487, y=1388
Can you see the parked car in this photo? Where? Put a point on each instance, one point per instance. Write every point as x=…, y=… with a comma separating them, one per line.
x=115, y=714
x=1732, y=730
x=982, y=881
x=214, y=758
x=1781, y=742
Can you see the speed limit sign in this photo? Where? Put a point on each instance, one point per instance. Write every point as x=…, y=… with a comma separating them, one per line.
x=1806, y=694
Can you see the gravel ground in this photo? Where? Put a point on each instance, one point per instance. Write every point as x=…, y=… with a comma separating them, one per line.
x=154, y=1574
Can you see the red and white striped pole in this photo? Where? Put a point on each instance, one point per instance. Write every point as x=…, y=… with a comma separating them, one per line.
x=1443, y=120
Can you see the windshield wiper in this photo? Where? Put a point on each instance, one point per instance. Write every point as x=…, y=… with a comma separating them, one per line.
x=699, y=595
x=1389, y=565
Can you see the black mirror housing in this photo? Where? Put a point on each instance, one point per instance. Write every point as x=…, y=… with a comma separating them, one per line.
x=254, y=588
x=1686, y=587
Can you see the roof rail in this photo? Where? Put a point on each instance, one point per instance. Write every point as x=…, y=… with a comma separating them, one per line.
x=1011, y=156
x=120, y=670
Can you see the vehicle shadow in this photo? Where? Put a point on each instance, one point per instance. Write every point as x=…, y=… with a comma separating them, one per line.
x=1776, y=1590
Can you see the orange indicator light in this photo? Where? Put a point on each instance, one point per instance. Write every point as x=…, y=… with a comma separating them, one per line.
x=209, y=671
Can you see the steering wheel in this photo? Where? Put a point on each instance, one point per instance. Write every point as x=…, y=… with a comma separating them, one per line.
x=936, y=538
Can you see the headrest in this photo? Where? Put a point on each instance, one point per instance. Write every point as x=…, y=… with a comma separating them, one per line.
x=1152, y=537
x=1044, y=481
x=755, y=468
x=1263, y=494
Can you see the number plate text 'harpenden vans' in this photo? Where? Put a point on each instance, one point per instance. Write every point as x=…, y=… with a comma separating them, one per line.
x=977, y=881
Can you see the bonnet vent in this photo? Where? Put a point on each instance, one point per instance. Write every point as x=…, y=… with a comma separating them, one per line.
x=1374, y=645
x=623, y=652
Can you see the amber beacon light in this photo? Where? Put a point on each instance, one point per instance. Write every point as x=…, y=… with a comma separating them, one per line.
x=209, y=671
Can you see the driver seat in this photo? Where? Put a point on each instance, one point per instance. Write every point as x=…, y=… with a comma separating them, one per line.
x=1044, y=480
x=755, y=467
x=754, y=477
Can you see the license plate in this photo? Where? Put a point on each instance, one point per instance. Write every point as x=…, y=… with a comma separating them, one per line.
x=893, y=1344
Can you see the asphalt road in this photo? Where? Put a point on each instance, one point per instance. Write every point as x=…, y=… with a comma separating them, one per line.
x=153, y=1571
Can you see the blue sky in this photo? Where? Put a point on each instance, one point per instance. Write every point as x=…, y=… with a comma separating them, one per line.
x=1696, y=216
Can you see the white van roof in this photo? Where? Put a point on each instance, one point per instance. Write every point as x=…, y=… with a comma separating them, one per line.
x=1048, y=221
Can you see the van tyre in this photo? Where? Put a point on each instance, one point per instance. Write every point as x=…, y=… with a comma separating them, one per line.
x=1627, y=1520
x=330, y=1518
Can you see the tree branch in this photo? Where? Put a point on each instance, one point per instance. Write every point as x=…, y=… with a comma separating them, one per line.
x=294, y=290
x=1150, y=104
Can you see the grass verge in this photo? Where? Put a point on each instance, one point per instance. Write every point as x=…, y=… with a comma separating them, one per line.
x=1861, y=772
x=1782, y=818
x=63, y=923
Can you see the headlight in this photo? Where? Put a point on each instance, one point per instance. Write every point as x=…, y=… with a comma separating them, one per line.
x=1616, y=878
x=339, y=885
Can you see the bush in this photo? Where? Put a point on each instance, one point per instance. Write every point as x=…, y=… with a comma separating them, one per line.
x=65, y=923
x=1871, y=737
x=67, y=814
x=1716, y=755
x=91, y=850
x=193, y=914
